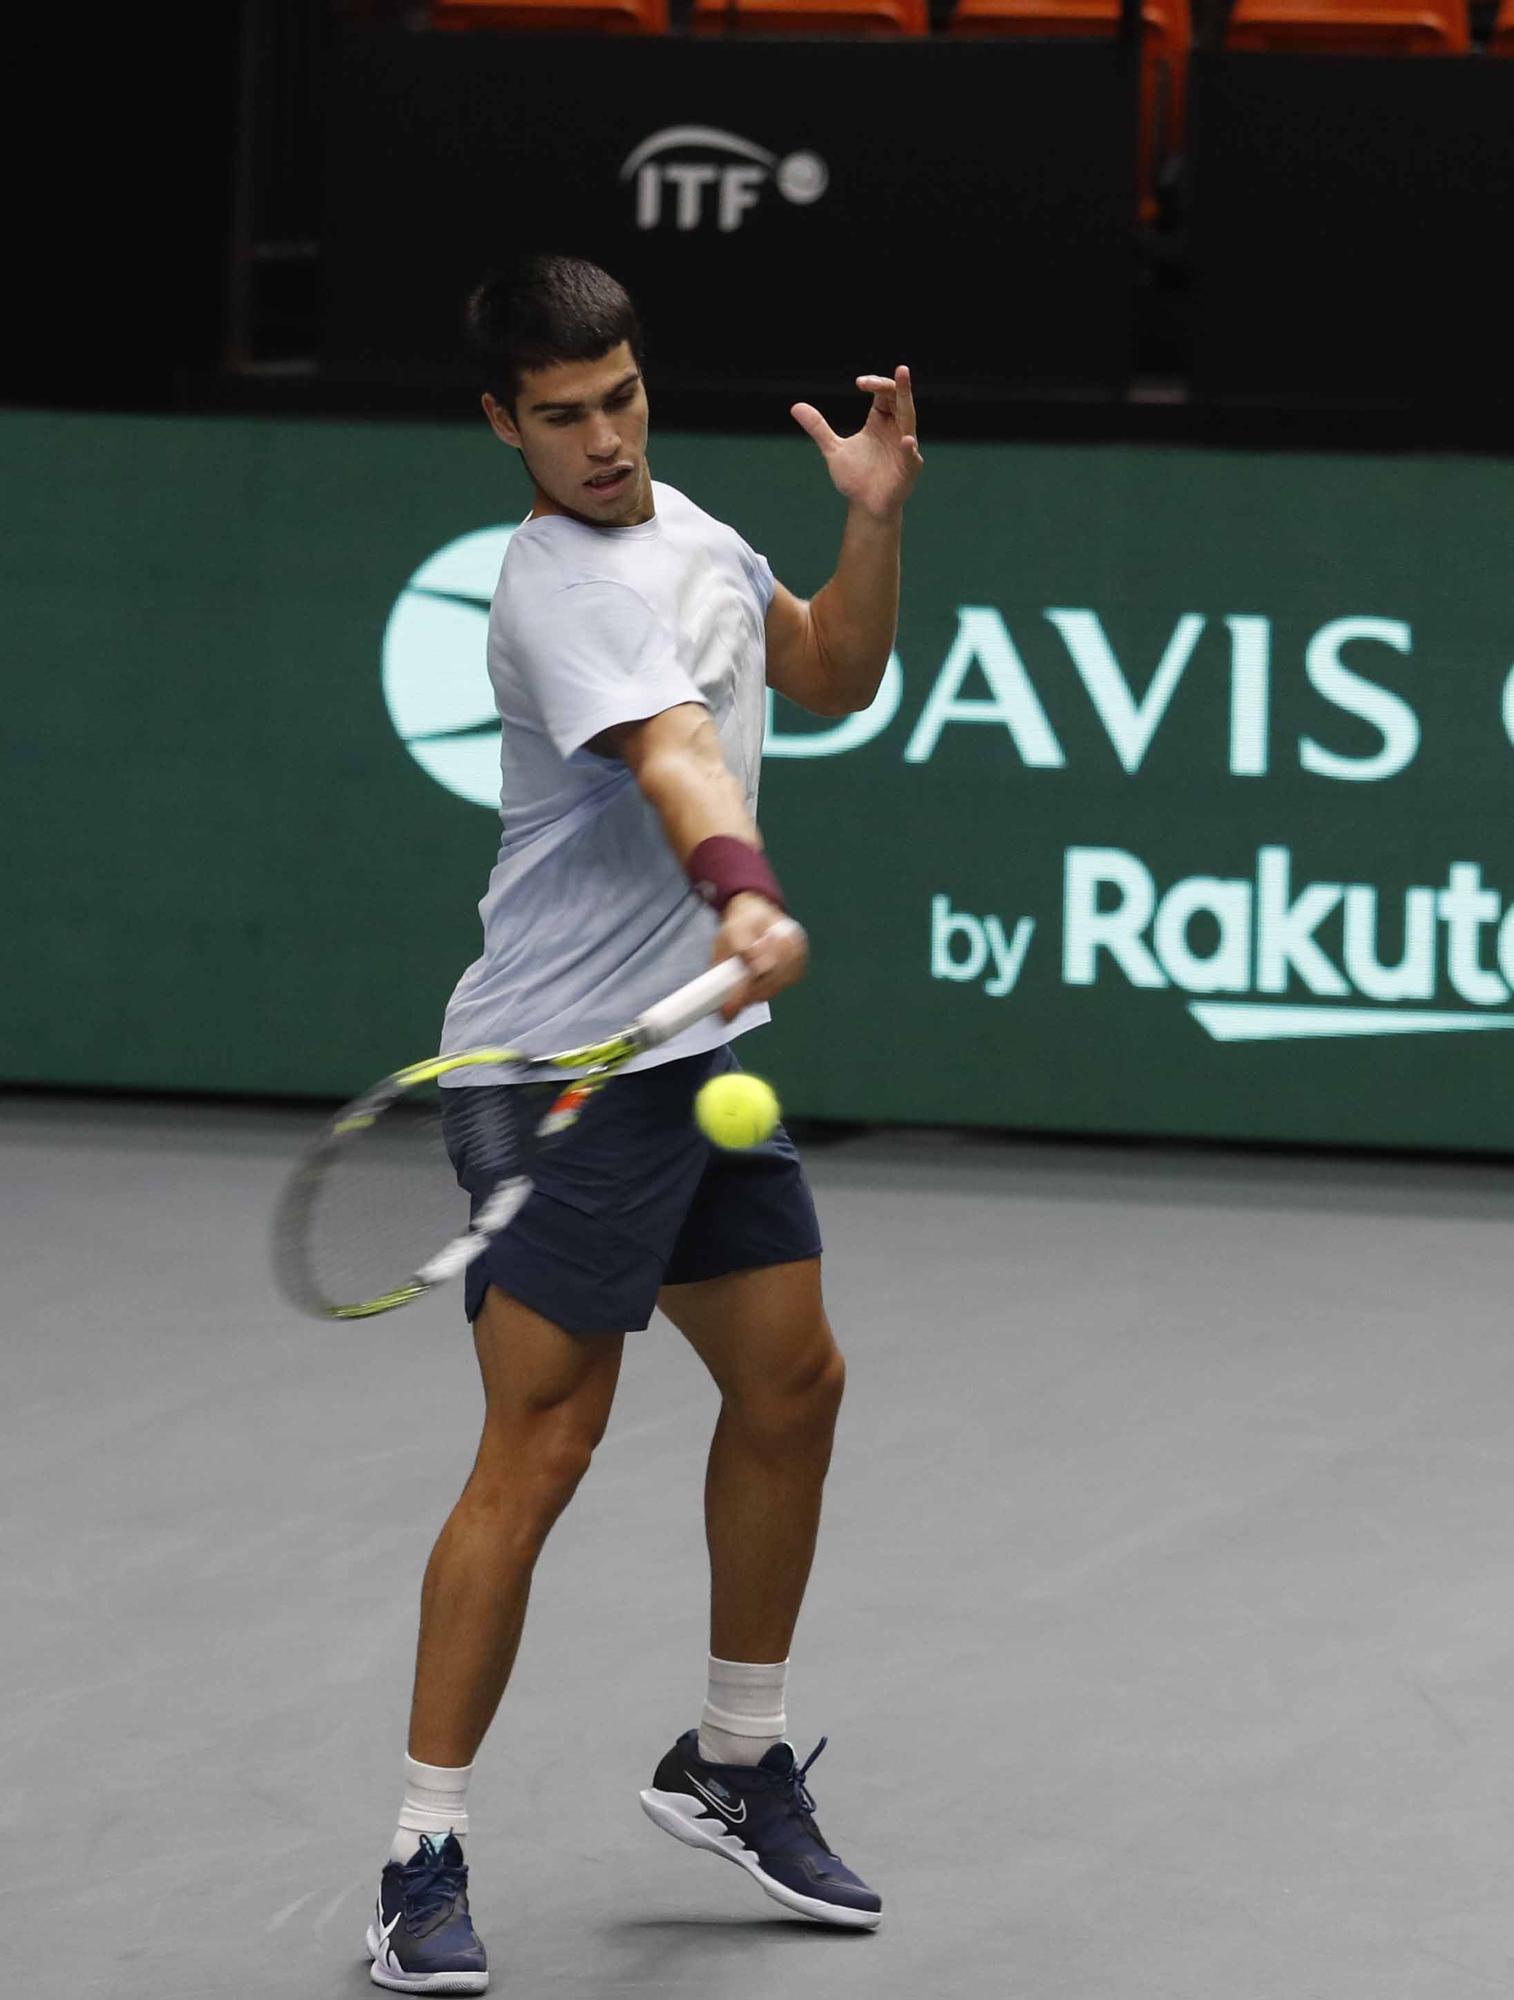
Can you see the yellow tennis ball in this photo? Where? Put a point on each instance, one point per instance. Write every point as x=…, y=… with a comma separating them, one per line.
x=736, y=1111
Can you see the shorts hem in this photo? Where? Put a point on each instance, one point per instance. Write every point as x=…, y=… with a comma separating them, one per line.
x=541, y=1304
x=764, y=1262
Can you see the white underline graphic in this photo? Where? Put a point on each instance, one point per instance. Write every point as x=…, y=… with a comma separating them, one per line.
x=1230, y=1021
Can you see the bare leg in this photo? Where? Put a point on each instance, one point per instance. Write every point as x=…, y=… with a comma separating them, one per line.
x=547, y=1400
x=765, y=1338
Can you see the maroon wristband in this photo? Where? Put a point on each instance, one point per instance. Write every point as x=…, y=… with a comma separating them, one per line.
x=723, y=866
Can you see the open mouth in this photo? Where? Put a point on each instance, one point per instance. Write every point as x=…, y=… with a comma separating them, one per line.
x=610, y=482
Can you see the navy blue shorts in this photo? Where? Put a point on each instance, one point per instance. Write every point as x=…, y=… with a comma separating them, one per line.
x=635, y=1197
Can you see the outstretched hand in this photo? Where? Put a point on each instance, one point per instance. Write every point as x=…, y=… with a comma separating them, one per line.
x=877, y=466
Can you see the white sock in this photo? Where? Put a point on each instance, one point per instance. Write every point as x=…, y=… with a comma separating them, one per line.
x=435, y=1803
x=743, y=1711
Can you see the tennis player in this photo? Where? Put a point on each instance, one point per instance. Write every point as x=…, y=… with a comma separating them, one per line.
x=631, y=638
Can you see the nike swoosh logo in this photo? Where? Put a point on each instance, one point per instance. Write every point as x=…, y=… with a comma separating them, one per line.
x=725, y=1812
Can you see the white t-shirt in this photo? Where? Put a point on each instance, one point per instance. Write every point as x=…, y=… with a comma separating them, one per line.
x=589, y=917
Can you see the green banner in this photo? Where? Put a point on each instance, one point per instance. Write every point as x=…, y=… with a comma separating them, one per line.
x=1183, y=808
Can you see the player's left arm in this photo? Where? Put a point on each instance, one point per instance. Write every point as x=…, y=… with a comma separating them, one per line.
x=829, y=654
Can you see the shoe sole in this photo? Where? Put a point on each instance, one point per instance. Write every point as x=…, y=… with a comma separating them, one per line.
x=672, y=1812
x=420, y=1982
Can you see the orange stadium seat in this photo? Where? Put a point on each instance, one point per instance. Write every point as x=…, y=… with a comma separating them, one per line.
x=1351, y=27
x=604, y=17
x=1166, y=42
x=1502, y=42
x=811, y=17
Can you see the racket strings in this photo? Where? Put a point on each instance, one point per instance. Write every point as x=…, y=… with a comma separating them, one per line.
x=486, y=1139
x=390, y=1195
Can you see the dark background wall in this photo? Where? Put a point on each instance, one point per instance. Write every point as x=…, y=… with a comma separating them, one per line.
x=1317, y=264
x=122, y=205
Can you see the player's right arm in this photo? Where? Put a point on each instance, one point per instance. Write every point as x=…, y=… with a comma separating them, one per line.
x=680, y=768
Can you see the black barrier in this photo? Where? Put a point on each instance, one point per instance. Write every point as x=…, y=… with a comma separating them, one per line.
x=1351, y=227
x=785, y=212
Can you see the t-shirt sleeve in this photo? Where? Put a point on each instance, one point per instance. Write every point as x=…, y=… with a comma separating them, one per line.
x=759, y=574
x=598, y=654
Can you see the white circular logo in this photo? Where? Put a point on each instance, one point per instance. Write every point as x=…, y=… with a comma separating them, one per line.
x=802, y=178
x=436, y=676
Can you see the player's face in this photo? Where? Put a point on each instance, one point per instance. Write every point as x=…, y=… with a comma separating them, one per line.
x=581, y=427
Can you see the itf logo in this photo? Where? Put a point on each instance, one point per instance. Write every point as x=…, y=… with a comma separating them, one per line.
x=436, y=676
x=666, y=180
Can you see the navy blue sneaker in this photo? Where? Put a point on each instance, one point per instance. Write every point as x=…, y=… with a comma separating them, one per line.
x=421, y=1939
x=762, y=1817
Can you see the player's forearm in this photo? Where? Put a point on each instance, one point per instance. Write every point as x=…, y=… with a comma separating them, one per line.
x=856, y=615
x=695, y=795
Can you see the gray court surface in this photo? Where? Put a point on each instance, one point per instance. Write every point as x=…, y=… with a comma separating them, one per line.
x=1162, y=1626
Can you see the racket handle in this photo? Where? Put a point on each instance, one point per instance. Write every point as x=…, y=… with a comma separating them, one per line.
x=692, y=1002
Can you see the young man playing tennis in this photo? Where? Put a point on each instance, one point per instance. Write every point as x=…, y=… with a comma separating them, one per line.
x=630, y=640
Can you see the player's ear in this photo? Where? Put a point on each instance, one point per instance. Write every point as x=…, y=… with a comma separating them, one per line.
x=500, y=420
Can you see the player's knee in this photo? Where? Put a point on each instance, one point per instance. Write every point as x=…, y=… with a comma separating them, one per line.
x=830, y=1384
x=525, y=1482
x=798, y=1404
x=826, y=1384
x=553, y=1475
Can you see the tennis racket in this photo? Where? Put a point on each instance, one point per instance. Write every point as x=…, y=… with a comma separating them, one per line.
x=373, y=1217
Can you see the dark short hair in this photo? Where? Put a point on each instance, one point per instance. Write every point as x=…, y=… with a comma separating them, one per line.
x=544, y=310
